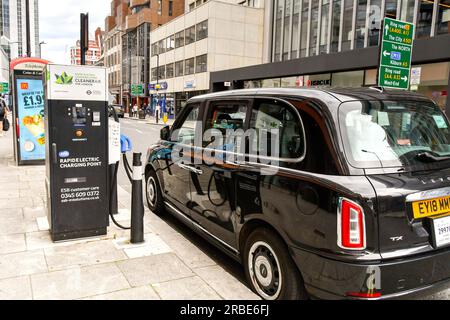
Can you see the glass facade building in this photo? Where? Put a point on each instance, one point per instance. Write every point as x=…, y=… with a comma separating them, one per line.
x=304, y=28
x=335, y=43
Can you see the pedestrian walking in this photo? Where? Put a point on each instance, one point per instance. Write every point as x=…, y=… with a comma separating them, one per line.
x=135, y=110
x=157, y=113
x=3, y=114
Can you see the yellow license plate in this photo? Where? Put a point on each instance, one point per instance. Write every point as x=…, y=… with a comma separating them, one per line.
x=431, y=207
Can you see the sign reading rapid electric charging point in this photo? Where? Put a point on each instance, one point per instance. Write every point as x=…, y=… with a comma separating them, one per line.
x=77, y=153
x=396, y=53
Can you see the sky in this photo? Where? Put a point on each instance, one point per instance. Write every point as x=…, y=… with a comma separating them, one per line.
x=59, y=23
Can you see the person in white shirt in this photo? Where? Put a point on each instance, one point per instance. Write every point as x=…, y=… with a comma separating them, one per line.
x=158, y=113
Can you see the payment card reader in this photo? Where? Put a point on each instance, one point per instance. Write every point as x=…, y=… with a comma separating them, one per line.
x=76, y=129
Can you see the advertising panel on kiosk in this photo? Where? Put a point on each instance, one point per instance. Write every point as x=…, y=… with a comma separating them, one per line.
x=28, y=110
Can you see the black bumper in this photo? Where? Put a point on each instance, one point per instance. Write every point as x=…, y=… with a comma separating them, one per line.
x=405, y=278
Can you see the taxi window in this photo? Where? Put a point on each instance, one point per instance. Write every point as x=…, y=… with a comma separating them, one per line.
x=227, y=116
x=382, y=134
x=285, y=126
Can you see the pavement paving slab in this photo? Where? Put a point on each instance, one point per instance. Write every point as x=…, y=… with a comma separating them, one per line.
x=22, y=263
x=154, y=269
x=140, y=293
x=187, y=251
x=15, y=223
x=225, y=284
x=13, y=203
x=75, y=283
x=16, y=289
x=11, y=243
x=192, y=288
x=82, y=254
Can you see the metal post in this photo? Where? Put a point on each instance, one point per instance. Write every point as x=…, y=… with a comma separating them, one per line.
x=28, y=31
x=137, y=202
x=129, y=72
x=158, y=112
x=84, y=36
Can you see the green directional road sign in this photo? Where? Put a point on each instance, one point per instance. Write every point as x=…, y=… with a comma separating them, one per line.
x=4, y=87
x=396, y=53
x=137, y=89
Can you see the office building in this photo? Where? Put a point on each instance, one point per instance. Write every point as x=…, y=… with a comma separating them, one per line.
x=214, y=35
x=143, y=17
x=13, y=27
x=335, y=43
x=93, y=54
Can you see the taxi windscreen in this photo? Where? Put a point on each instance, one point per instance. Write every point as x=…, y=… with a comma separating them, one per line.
x=412, y=135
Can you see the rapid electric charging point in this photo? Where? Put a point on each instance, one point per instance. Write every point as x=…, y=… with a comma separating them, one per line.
x=77, y=151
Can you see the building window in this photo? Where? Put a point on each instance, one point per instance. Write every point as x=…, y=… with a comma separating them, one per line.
x=169, y=70
x=189, y=35
x=335, y=25
x=179, y=39
x=348, y=79
x=162, y=46
x=154, y=74
x=360, y=24
x=374, y=22
x=443, y=18
x=201, y=64
x=304, y=27
x=286, y=29
x=347, y=30
x=202, y=30
x=295, y=29
x=189, y=66
x=170, y=43
x=324, y=35
x=160, y=7
x=424, y=19
x=179, y=68
x=278, y=31
x=162, y=72
x=192, y=6
x=407, y=10
x=314, y=27
x=391, y=9
x=155, y=49
x=170, y=8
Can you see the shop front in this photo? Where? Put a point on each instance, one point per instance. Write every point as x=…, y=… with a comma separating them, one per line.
x=431, y=80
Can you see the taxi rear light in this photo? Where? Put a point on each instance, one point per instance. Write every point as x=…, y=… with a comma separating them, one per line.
x=351, y=225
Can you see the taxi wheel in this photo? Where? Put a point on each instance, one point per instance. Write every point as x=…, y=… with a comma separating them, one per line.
x=153, y=193
x=269, y=268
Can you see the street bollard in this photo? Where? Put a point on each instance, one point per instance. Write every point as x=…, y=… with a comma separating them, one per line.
x=137, y=202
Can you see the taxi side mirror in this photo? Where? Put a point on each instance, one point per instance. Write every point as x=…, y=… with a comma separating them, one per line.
x=165, y=133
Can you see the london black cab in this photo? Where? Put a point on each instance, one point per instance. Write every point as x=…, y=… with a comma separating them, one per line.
x=352, y=202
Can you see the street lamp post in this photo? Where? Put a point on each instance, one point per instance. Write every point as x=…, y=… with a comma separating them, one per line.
x=157, y=114
x=40, y=48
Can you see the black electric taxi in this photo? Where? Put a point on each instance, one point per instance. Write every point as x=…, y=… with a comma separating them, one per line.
x=333, y=193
